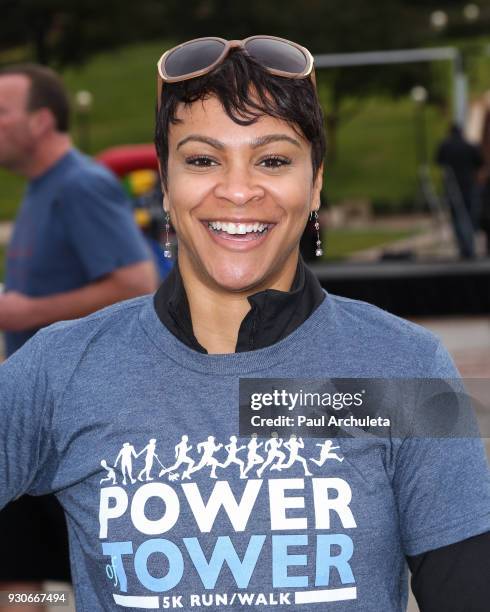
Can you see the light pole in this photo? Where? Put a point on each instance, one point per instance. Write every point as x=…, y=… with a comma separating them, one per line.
x=425, y=193
x=439, y=20
x=419, y=96
x=83, y=105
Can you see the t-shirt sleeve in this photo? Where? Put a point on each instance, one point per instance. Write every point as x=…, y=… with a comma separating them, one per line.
x=99, y=224
x=442, y=484
x=25, y=406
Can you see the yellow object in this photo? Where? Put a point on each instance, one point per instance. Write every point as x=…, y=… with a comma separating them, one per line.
x=142, y=181
x=142, y=217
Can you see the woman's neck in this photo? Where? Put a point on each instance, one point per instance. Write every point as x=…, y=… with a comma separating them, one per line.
x=216, y=313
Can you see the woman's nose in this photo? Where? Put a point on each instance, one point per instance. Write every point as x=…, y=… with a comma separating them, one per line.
x=239, y=186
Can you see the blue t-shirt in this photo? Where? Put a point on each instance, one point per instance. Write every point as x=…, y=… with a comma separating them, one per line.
x=133, y=431
x=74, y=226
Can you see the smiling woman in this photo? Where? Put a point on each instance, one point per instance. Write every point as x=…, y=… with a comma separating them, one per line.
x=257, y=174
x=242, y=171
x=134, y=416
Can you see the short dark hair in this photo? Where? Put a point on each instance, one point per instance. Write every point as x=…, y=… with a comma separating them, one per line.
x=247, y=91
x=46, y=91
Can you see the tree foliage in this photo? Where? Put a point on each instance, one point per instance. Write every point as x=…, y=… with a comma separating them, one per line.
x=68, y=32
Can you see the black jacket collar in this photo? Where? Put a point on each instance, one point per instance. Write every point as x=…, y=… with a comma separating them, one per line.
x=273, y=315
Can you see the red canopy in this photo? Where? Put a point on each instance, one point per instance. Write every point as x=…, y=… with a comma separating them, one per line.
x=127, y=158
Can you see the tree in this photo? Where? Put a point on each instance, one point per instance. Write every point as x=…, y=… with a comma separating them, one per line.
x=68, y=32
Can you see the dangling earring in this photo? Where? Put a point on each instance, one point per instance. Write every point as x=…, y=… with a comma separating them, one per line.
x=167, y=252
x=319, y=250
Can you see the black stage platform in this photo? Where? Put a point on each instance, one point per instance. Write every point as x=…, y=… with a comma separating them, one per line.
x=409, y=288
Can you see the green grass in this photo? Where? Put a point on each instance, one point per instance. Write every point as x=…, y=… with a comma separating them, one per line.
x=377, y=157
x=339, y=243
x=376, y=148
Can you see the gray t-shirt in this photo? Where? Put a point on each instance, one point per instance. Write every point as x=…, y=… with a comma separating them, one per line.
x=133, y=431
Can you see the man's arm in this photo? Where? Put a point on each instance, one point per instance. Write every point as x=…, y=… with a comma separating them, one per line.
x=19, y=312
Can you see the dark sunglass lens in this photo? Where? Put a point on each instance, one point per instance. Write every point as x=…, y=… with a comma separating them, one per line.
x=277, y=55
x=192, y=57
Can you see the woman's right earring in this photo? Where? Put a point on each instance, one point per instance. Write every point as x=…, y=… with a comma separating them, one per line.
x=167, y=252
x=319, y=250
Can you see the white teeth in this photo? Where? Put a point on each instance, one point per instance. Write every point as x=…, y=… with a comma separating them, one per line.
x=237, y=228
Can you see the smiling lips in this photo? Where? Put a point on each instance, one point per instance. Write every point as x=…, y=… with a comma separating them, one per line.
x=244, y=231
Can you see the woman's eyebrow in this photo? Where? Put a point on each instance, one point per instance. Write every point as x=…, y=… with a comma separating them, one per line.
x=268, y=139
x=205, y=139
x=254, y=144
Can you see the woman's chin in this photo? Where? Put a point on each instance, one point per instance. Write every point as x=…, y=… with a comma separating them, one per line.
x=236, y=277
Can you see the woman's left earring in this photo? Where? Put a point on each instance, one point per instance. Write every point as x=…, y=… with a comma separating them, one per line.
x=319, y=250
x=167, y=251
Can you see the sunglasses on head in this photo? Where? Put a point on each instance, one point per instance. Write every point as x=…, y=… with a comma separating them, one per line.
x=197, y=57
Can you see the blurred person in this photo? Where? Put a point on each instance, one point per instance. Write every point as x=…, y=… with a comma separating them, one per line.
x=485, y=213
x=74, y=249
x=241, y=144
x=484, y=180
x=461, y=161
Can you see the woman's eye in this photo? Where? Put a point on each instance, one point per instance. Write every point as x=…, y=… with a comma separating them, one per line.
x=200, y=161
x=275, y=161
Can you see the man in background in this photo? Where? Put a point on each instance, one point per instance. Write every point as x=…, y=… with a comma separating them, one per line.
x=75, y=249
x=460, y=161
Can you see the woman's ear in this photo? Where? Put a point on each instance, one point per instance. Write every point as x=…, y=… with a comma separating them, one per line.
x=164, y=191
x=319, y=181
x=317, y=189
